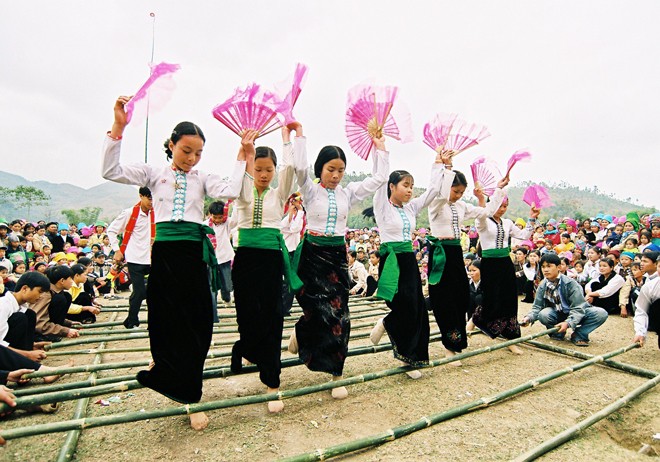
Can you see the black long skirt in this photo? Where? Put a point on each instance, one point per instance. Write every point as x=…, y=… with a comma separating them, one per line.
x=498, y=315
x=407, y=324
x=450, y=299
x=257, y=278
x=323, y=330
x=179, y=304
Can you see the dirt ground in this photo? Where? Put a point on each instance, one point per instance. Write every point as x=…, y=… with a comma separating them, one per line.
x=498, y=432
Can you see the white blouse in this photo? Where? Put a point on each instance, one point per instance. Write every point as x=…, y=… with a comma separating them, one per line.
x=178, y=196
x=327, y=209
x=291, y=229
x=395, y=224
x=265, y=211
x=446, y=218
x=494, y=235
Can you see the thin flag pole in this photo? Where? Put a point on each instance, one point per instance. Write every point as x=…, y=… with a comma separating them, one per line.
x=151, y=63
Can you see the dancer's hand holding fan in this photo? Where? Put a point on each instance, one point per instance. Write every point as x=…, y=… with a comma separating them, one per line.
x=369, y=117
x=485, y=175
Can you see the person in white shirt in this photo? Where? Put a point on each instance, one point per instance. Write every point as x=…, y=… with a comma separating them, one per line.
x=321, y=336
x=448, y=283
x=647, y=306
x=178, y=295
x=400, y=285
x=498, y=315
x=292, y=226
x=604, y=291
x=262, y=260
x=358, y=274
x=137, y=227
x=222, y=224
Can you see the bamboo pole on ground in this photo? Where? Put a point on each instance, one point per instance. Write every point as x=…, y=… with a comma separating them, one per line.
x=424, y=422
x=71, y=442
x=32, y=430
x=576, y=429
x=629, y=368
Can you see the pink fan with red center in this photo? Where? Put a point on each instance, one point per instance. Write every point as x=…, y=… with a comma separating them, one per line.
x=369, y=115
x=518, y=156
x=154, y=94
x=249, y=109
x=486, y=175
x=537, y=196
x=287, y=93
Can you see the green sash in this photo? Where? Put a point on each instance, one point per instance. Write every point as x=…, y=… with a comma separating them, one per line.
x=271, y=239
x=188, y=231
x=496, y=253
x=388, y=283
x=439, y=257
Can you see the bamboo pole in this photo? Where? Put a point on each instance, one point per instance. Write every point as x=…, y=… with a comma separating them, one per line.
x=253, y=399
x=424, y=422
x=647, y=373
x=576, y=429
x=71, y=442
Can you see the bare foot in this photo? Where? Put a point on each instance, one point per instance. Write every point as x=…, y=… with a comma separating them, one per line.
x=377, y=332
x=293, y=343
x=152, y=363
x=516, y=350
x=274, y=406
x=470, y=326
x=49, y=378
x=339, y=392
x=449, y=354
x=199, y=421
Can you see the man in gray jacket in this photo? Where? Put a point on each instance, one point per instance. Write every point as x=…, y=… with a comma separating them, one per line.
x=560, y=303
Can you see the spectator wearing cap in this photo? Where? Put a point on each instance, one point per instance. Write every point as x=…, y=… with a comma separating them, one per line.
x=51, y=231
x=61, y=238
x=15, y=251
x=101, y=272
x=625, y=260
x=99, y=231
x=647, y=306
x=551, y=231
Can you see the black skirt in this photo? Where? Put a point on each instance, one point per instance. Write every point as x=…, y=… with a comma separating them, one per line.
x=407, y=325
x=450, y=298
x=257, y=278
x=179, y=304
x=498, y=314
x=324, y=328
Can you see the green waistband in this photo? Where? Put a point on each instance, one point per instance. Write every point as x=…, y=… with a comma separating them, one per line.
x=259, y=238
x=271, y=239
x=388, y=282
x=188, y=231
x=179, y=231
x=496, y=253
x=325, y=241
x=446, y=242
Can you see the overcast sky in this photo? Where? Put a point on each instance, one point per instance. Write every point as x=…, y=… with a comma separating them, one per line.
x=575, y=82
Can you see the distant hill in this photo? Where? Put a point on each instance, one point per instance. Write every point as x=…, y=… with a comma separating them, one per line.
x=111, y=197
x=569, y=200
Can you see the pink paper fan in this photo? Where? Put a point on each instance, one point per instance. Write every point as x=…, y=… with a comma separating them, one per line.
x=464, y=135
x=486, y=175
x=154, y=94
x=249, y=109
x=517, y=156
x=537, y=196
x=287, y=93
x=436, y=132
x=369, y=115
